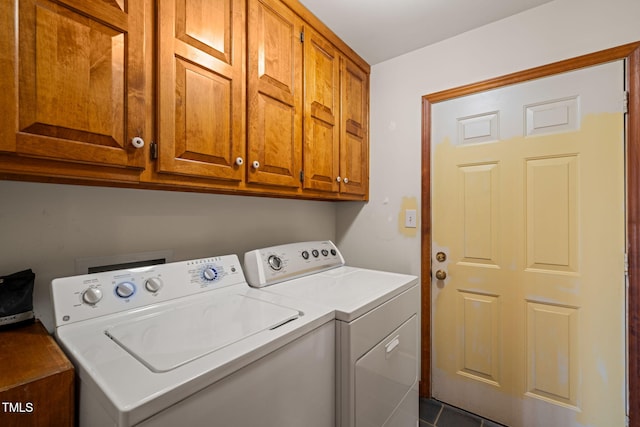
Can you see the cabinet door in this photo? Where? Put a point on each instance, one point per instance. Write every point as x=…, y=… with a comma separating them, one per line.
x=354, y=147
x=73, y=81
x=201, y=93
x=321, y=113
x=274, y=94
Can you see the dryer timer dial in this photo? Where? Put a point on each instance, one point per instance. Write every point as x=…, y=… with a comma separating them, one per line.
x=275, y=262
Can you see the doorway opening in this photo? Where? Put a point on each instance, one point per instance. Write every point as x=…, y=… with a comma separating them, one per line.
x=630, y=53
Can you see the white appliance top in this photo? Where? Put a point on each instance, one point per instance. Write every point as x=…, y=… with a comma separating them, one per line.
x=143, y=339
x=169, y=339
x=295, y=271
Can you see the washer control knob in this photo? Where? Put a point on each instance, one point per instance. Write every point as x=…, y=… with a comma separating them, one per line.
x=315, y=253
x=325, y=252
x=125, y=289
x=275, y=262
x=305, y=254
x=210, y=274
x=153, y=284
x=92, y=296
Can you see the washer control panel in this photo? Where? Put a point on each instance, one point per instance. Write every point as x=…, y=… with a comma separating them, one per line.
x=92, y=295
x=276, y=264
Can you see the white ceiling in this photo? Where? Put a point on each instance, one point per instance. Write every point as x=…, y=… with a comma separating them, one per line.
x=383, y=29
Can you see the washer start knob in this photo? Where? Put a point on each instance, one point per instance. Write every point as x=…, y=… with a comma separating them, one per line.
x=209, y=274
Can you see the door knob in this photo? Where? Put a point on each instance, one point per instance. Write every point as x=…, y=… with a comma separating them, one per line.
x=441, y=274
x=441, y=257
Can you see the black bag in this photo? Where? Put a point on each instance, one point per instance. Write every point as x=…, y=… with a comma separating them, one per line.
x=16, y=298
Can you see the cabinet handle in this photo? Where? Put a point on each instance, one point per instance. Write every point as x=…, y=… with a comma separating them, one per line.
x=239, y=161
x=392, y=345
x=255, y=164
x=137, y=142
x=346, y=180
x=338, y=179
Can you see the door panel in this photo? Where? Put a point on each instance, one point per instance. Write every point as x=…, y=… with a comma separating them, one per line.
x=322, y=113
x=201, y=88
x=528, y=205
x=80, y=78
x=274, y=94
x=354, y=131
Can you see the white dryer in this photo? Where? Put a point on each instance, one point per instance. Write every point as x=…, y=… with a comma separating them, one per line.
x=190, y=343
x=377, y=327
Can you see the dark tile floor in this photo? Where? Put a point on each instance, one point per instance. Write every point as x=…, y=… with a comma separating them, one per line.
x=436, y=414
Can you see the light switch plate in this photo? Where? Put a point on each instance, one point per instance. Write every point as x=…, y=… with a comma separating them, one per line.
x=410, y=218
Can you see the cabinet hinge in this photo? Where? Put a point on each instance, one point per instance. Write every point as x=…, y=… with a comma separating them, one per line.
x=625, y=102
x=301, y=176
x=626, y=264
x=301, y=36
x=153, y=150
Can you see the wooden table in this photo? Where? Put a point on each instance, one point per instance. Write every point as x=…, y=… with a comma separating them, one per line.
x=36, y=379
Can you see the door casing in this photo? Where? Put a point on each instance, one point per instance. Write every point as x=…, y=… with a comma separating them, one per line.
x=630, y=52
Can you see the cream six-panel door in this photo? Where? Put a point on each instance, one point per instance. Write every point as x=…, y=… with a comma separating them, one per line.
x=528, y=286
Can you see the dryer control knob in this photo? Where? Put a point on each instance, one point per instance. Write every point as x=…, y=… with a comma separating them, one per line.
x=275, y=262
x=92, y=296
x=153, y=284
x=125, y=289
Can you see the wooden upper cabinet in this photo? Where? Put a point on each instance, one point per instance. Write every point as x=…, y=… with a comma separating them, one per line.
x=73, y=81
x=354, y=131
x=201, y=90
x=226, y=94
x=321, y=113
x=274, y=78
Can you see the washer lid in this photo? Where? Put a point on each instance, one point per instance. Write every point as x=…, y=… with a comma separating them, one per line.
x=166, y=340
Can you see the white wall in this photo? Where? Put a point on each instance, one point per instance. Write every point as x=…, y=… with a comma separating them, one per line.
x=369, y=235
x=45, y=227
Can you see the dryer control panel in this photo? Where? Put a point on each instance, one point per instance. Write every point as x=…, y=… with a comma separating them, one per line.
x=276, y=264
x=93, y=295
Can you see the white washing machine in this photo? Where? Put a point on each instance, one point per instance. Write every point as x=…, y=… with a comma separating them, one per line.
x=377, y=327
x=190, y=343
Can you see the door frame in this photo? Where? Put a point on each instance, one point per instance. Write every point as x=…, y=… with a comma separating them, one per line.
x=630, y=52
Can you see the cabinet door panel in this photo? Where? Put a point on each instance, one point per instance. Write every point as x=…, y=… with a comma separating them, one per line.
x=354, y=150
x=80, y=77
x=201, y=91
x=275, y=94
x=322, y=112
x=207, y=26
